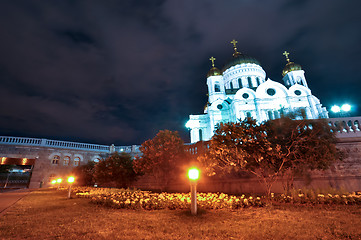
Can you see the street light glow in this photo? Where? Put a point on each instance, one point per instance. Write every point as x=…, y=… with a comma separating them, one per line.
x=346, y=107
x=193, y=174
x=59, y=180
x=53, y=182
x=71, y=179
x=335, y=109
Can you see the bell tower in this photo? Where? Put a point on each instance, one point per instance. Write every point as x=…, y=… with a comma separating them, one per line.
x=292, y=73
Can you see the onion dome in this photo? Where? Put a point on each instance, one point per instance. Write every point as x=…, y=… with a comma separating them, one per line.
x=290, y=66
x=239, y=58
x=214, y=71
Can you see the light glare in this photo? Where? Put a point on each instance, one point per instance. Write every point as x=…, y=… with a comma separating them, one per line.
x=335, y=109
x=346, y=107
x=193, y=174
x=71, y=179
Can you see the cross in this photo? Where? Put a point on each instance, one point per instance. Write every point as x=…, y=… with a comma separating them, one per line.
x=212, y=59
x=286, y=54
x=234, y=42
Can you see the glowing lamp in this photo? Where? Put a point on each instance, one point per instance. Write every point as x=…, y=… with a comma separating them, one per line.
x=59, y=180
x=193, y=174
x=335, y=109
x=346, y=107
x=53, y=182
x=71, y=179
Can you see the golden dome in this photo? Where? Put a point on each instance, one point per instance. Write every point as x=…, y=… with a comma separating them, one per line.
x=239, y=58
x=290, y=66
x=214, y=72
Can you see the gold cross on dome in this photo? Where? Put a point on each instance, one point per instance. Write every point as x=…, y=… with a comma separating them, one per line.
x=234, y=42
x=212, y=59
x=286, y=54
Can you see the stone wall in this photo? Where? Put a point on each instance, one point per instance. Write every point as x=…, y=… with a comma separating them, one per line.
x=342, y=175
x=43, y=169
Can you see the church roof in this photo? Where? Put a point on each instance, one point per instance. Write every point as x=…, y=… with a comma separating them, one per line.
x=239, y=58
x=214, y=72
x=290, y=66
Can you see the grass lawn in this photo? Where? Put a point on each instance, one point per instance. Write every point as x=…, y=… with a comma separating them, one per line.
x=48, y=214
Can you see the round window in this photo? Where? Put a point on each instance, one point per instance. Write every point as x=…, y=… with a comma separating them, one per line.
x=245, y=95
x=271, y=91
x=219, y=106
x=298, y=92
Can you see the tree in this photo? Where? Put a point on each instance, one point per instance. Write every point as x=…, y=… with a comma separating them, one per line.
x=244, y=146
x=283, y=147
x=85, y=174
x=308, y=144
x=162, y=157
x=115, y=171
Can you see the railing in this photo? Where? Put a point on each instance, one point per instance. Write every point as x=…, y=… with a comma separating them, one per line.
x=64, y=144
x=346, y=127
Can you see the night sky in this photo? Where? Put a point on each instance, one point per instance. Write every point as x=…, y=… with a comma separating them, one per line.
x=119, y=71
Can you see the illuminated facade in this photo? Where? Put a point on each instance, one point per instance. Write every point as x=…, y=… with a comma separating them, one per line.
x=241, y=90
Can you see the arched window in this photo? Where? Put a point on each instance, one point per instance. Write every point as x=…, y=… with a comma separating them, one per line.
x=55, y=160
x=76, y=161
x=231, y=85
x=258, y=82
x=248, y=115
x=217, y=88
x=249, y=82
x=66, y=161
x=240, y=83
x=200, y=135
x=270, y=115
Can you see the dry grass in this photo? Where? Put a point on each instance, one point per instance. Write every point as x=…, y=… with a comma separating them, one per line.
x=47, y=214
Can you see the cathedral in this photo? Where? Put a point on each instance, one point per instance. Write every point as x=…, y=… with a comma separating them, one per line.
x=241, y=90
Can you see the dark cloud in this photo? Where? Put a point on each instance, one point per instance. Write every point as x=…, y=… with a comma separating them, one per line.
x=120, y=71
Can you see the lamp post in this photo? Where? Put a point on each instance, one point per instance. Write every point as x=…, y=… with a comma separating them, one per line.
x=70, y=181
x=193, y=175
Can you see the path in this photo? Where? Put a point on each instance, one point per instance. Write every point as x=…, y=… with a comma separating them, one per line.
x=7, y=199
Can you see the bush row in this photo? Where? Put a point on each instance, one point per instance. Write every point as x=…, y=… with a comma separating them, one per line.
x=136, y=199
